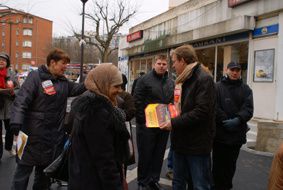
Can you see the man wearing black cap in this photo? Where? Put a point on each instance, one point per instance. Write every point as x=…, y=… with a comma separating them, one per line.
x=234, y=110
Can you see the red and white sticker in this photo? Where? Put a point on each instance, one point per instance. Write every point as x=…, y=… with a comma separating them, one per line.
x=48, y=87
x=177, y=94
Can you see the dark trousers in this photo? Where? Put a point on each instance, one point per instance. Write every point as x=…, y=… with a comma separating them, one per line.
x=9, y=137
x=224, y=165
x=193, y=171
x=21, y=178
x=151, y=144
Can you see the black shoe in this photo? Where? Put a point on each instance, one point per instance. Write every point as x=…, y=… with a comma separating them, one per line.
x=155, y=186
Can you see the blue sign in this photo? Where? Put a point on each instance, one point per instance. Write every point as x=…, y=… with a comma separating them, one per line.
x=266, y=31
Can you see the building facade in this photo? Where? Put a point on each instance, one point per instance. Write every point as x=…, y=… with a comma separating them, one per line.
x=175, y=3
x=246, y=31
x=26, y=38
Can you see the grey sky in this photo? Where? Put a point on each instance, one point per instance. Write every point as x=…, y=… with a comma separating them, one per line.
x=66, y=13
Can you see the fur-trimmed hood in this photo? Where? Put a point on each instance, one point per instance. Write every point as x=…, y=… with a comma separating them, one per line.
x=90, y=101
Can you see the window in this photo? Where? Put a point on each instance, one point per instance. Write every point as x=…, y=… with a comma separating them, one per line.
x=17, y=54
x=17, y=43
x=3, y=33
x=3, y=44
x=27, y=20
x=27, y=32
x=27, y=43
x=27, y=55
x=17, y=32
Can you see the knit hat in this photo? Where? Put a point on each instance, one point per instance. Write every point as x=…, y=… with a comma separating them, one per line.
x=6, y=57
x=102, y=77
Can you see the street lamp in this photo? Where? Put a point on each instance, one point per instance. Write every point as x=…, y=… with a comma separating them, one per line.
x=82, y=42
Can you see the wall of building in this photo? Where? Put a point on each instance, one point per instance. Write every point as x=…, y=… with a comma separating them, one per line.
x=175, y=3
x=12, y=39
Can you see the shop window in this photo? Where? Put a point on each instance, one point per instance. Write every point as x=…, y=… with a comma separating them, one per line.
x=143, y=65
x=207, y=58
x=233, y=52
x=149, y=65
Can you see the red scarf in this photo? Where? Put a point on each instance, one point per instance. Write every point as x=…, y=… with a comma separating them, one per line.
x=3, y=75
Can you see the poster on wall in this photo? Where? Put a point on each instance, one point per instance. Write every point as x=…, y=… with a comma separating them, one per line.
x=264, y=65
x=123, y=65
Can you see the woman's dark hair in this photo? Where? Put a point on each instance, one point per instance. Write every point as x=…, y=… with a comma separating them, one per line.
x=57, y=55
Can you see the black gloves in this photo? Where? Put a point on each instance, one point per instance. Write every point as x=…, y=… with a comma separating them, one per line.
x=231, y=124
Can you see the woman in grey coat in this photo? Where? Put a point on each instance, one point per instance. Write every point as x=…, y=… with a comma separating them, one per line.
x=8, y=82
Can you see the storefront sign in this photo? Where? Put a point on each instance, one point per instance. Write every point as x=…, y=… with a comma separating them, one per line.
x=135, y=36
x=220, y=40
x=234, y=3
x=266, y=31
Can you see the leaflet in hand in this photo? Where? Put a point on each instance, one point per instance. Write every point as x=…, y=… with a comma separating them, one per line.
x=21, y=143
x=156, y=114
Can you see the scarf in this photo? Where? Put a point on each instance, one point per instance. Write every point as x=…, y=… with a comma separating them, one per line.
x=3, y=76
x=100, y=79
x=187, y=73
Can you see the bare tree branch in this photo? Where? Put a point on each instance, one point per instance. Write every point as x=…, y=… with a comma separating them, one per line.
x=108, y=17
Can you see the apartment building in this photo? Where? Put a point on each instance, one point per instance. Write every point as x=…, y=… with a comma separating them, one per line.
x=25, y=37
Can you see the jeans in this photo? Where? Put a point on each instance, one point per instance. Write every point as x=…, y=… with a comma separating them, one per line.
x=170, y=159
x=21, y=178
x=192, y=170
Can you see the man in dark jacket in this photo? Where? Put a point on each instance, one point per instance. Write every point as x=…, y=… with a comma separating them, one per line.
x=135, y=82
x=193, y=130
x=234, y=110
x=153, y=87
x=38, y=111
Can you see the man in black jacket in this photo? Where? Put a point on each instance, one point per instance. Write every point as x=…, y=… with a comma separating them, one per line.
x=135, y=82
x=193, y=130
x=234, y=110
x=153, y=87
x=39, y=111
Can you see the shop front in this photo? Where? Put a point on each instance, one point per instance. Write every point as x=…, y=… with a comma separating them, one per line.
x=216, y=53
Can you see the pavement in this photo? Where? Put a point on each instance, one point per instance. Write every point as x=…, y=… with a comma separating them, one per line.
x=251, y=174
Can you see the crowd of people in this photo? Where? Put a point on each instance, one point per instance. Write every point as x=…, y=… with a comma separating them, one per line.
x=206, y=135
